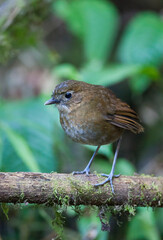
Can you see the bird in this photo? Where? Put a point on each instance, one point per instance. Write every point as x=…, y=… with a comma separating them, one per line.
x=92, y=114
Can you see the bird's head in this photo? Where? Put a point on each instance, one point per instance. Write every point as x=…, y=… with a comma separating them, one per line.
x=67, y=95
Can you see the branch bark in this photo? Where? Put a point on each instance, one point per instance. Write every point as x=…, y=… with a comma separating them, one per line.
x=51, y=188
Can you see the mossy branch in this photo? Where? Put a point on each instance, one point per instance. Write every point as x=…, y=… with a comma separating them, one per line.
x=51, y=188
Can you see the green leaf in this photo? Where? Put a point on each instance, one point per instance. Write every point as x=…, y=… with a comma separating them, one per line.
x=102, y=165
x=5, y=209
x=104, y=149
x=140, y=83
x=39, y=126
x=142, y=41
x=1, y=148
x=115, y=73
x=94, y=22
x=21, y=147
x=66, y=70
x=89, y=222
x=124, y=167
x=143, y=226
x=159, y=217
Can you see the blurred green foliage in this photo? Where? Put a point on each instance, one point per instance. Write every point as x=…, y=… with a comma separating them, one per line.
x=21, y=29
x=27, y=132
x=96, y=24
x=31, y=138
x=143, y=226
x=142, y=40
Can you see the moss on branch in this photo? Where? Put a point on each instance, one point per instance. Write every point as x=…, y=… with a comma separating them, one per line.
x=66, y=189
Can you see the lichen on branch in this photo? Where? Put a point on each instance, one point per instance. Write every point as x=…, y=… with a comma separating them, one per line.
x=66, y=189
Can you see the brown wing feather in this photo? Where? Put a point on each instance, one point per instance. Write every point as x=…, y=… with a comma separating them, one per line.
x=125, y=117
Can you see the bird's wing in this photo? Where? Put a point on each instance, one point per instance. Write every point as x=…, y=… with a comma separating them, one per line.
x=124, y=117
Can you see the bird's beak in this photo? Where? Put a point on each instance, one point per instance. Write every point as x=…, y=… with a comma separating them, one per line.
x=52, y=101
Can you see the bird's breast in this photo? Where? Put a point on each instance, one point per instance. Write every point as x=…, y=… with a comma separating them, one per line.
x=89, y=131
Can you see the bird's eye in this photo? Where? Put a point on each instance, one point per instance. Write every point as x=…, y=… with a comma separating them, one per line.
x=68, y=95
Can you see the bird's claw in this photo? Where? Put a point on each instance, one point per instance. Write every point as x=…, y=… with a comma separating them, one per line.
x=108, y=175
x=109, y=179
x=85, y=171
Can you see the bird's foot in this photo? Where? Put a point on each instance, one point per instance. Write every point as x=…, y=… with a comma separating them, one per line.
x=85, y=171
x=109, y=179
